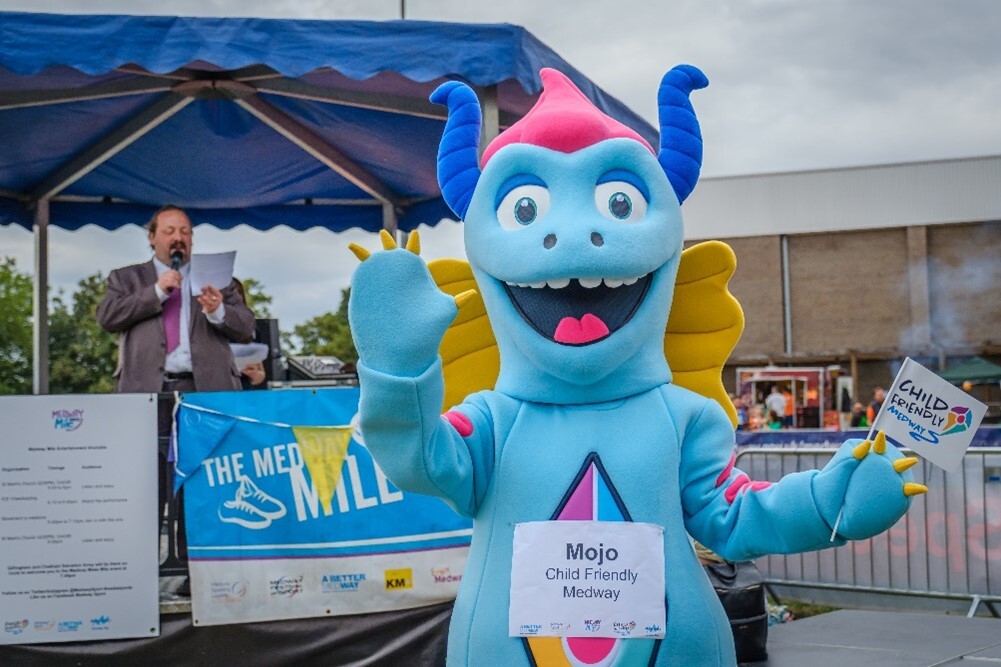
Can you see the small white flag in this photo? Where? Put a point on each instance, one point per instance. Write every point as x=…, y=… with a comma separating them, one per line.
x=924, y=412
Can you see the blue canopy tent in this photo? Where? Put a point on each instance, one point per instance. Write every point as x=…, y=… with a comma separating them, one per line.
x=243, y=121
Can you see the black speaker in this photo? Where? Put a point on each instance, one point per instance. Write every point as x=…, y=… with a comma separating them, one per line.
x=266, y=331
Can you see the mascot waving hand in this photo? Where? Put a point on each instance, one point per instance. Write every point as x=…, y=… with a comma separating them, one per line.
x=574, y=237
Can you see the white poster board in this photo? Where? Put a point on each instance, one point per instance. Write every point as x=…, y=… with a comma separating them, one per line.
x=78, y=531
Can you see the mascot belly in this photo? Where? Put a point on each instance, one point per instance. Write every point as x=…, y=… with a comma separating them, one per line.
x=574, y=237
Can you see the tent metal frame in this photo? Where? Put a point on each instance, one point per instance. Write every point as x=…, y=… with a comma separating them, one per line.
x=180, y=88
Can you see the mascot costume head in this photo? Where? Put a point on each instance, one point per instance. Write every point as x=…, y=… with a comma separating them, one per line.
x=581, y=383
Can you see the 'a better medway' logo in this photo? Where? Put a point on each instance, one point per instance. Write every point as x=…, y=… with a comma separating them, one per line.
x=67, y=420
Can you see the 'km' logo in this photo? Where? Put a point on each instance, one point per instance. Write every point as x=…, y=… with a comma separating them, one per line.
x=397, y=580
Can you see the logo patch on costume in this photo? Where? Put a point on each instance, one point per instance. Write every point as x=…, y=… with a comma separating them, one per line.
x=591, y=497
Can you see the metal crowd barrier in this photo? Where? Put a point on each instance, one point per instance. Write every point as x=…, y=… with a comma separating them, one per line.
x=946, y=551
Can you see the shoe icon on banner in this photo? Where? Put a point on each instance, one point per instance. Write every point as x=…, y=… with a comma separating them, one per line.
x=251, y=508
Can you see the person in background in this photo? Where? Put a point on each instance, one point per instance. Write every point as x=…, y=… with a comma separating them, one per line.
x=859, y=418
x=774, y=422
x=787, y=415
x=738, y=405
x=169, y=339
x=253, y=375
x=875, y=405
x=776, y=402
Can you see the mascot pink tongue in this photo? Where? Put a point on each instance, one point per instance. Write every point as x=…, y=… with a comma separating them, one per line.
x=572, y=331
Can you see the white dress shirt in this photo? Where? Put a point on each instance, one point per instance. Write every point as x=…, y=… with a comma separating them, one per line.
x=179, y=360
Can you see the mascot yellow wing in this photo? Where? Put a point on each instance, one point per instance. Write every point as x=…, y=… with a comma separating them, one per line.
x=705, y=324
x=469, y=355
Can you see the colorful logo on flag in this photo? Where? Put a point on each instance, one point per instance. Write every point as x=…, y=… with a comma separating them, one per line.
x=957, y=421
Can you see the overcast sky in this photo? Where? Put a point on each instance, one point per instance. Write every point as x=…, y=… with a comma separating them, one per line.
x=794, y=84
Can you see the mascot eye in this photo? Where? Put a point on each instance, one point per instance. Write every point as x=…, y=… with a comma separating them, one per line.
x=522, y=206
x=618, y=200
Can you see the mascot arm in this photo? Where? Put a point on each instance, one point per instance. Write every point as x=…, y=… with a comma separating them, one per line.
x=398, y=317
x=448, y=456
x=862, y=491
x=733, y=516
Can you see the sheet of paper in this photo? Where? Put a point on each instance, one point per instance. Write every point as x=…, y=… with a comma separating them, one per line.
x=934, y=418
x=215, y=269
x=248, y=353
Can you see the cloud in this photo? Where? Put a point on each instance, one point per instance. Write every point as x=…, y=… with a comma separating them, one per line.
x=795, y=84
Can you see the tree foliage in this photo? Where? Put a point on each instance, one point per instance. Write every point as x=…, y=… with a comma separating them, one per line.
x=15, y=329
x=257, y=299
x=327, y=334
x=82, y=356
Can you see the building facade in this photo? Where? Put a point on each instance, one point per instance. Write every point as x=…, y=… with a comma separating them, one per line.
x=861, y=267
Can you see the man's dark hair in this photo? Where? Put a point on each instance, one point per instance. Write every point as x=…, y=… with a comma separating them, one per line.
x=151, y=225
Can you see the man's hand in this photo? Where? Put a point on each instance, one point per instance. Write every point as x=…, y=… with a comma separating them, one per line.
x=169, y=281
x=210, y=299
x=255, y=373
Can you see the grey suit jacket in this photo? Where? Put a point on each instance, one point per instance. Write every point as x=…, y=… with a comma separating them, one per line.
x=131, y=309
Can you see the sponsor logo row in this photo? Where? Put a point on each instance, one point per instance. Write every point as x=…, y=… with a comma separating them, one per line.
x=18, y=626
x=291, y=585
x=590, y=625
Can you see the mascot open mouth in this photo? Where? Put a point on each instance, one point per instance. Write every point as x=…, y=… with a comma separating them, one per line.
x=578, y=311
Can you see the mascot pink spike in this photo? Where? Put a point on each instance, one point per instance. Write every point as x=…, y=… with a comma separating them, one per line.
x=573, y=233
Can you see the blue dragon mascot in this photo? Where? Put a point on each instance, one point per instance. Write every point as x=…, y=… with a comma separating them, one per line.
x=573, y=233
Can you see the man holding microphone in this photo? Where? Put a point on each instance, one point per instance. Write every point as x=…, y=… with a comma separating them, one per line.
x=171, y=340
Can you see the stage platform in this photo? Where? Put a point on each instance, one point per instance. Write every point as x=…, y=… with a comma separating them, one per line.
x=850, y=638
x=417, y=637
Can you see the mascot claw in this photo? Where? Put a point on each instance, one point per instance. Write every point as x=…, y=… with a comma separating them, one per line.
x=878, y=446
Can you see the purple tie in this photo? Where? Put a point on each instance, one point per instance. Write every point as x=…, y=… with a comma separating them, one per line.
x=172, y=319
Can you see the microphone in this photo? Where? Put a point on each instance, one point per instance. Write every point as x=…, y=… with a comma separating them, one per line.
x=176, y=258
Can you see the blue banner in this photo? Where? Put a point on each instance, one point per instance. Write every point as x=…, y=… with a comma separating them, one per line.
x=255, y=507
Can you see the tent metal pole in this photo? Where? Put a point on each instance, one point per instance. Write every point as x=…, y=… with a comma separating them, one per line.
x=315, y=145
x=385, y=102
x=389, y=223
x=40, y=310
x=21, y=99
x=491, y=116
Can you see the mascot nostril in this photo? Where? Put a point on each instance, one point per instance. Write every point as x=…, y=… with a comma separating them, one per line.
x=549, y=241
x=597, y=240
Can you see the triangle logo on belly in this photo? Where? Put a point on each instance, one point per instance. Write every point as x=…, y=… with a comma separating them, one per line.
x=590, y=497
